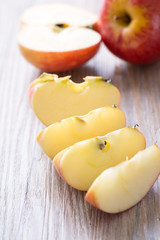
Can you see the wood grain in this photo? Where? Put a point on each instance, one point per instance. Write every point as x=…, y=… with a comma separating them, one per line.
x=34, y=202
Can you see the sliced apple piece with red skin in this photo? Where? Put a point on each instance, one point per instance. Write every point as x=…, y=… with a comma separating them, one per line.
x=58, y=37
x=123, y=186
x=96, y=123
x=54, y=99
x=80, y=164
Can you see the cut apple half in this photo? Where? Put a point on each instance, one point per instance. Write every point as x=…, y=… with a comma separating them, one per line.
x=121, y=187
x=53, y=98
x=58, y=37
x=80, y=164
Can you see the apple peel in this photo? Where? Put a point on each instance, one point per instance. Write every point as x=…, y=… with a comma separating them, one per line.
x=123, y=186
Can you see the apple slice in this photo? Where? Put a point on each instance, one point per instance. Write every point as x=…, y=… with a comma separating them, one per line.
x=121, y=187
x=54, y=98
x=97, y=122
x=58, y=37
x=80, y=164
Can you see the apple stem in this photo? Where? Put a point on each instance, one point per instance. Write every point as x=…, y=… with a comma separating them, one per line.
x=107, y=80
x=136, y=125
x=114, y=106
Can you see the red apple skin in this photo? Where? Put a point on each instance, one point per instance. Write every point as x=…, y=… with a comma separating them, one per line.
x=31, y=91
x=59, y=61
x=90, y=196
x=57, y=161
x=141, y=47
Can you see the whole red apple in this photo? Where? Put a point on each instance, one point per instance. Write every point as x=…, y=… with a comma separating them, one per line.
x=131, y=29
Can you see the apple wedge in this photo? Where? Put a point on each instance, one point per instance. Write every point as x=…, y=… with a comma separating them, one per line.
x=80, y=164
x=121, y=187
x=58, y=37
x=96, y=123
x=54, y=99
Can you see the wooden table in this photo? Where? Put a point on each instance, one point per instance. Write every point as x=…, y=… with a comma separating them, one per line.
x=35, y=203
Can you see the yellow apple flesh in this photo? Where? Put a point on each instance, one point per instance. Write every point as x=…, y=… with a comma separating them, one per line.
x=80, y=164
x=54, y=99
x=121, y=187
x=65, y=133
